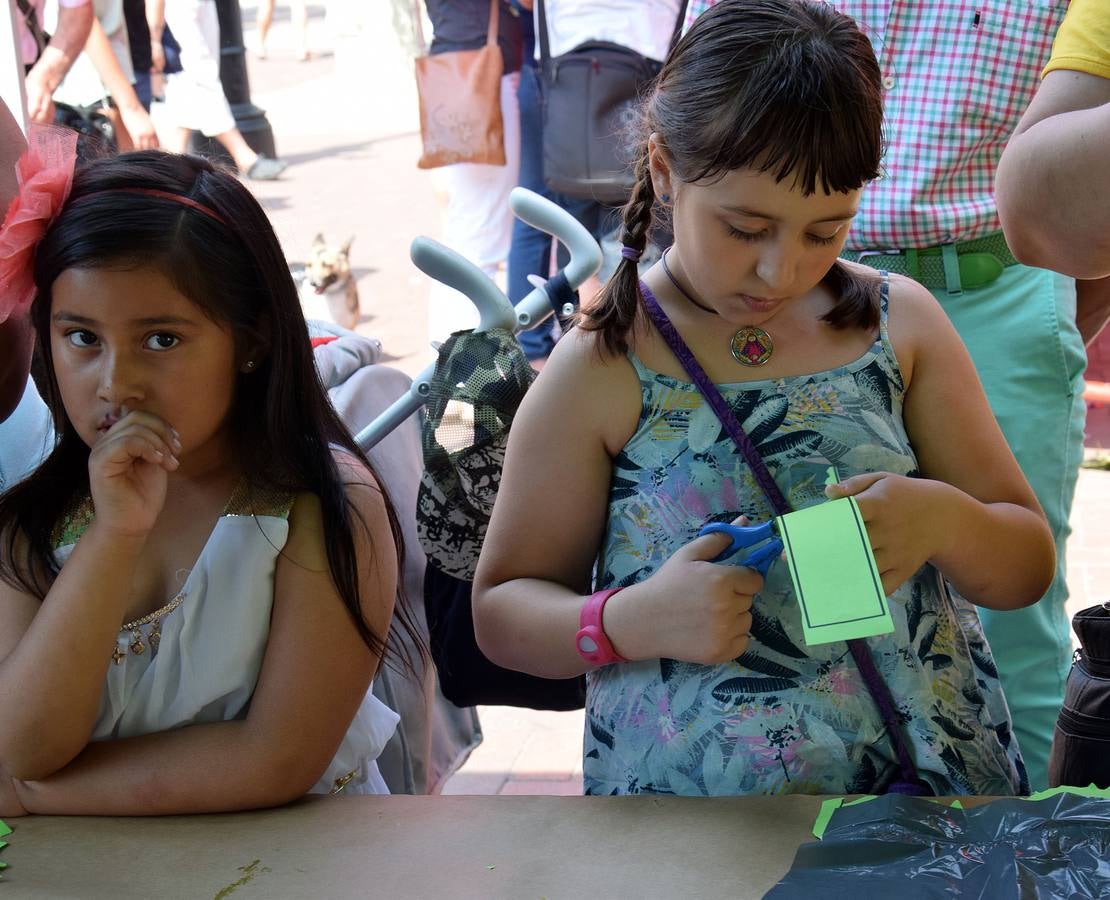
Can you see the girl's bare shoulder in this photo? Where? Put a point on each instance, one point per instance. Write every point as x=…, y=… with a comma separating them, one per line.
x=582, y=378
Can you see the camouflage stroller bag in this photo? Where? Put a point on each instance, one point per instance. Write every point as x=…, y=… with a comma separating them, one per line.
x=479, y=380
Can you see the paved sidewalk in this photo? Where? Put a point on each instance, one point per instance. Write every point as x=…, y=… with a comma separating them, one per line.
x=346, y=122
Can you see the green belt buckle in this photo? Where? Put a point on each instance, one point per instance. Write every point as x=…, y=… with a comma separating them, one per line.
x=979, y=269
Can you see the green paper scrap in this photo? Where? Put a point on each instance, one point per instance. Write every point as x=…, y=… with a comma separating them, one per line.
x=834, y=573
x=831, y=476
x=4, y=829
x=1089, y=791
x=831, y=806
x=825, y=816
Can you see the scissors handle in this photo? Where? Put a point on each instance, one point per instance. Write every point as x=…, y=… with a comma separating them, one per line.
x=743, y=536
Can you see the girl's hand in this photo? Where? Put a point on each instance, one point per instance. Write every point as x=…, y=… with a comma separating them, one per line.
x=128, y=467
x=10, y=805
x=905, y=520
x=691, y=609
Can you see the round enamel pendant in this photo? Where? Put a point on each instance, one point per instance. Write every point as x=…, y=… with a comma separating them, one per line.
x=752, y=346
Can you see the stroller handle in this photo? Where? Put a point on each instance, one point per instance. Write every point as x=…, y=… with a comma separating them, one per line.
x=494, y=308
x=456, y=271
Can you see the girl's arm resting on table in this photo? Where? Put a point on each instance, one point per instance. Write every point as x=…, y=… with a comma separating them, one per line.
x=538, y=555
x=973, y=514
x=54, y=654
x=315, y=673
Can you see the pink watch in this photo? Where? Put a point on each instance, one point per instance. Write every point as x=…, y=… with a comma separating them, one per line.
x=592, y=642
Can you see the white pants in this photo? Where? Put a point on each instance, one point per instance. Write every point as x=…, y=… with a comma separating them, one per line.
x=194, y=96
x=477, y=222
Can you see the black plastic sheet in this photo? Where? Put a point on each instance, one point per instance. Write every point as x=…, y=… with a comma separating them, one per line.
x=1055, y=847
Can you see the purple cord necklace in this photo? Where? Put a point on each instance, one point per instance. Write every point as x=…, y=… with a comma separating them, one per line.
x=750, y=346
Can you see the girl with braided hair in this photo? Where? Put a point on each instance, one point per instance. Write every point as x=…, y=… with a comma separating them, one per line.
x=759, y=136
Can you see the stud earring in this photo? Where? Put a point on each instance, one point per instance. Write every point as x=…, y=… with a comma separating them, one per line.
x=250, y=364
x=666, y=198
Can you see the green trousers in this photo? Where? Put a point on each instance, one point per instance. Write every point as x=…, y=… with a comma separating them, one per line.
x=1021, y=333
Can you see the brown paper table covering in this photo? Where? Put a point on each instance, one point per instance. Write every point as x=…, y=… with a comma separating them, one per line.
x=407, y=846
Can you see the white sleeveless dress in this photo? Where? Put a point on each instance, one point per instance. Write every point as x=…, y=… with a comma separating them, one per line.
x=203, y=664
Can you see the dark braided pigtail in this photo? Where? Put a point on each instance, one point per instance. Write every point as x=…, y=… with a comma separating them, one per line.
x=614, y=312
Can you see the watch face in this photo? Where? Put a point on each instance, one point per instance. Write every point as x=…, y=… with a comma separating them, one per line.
x=587, y=644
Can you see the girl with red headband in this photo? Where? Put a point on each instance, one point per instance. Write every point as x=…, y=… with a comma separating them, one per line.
x=197, y=585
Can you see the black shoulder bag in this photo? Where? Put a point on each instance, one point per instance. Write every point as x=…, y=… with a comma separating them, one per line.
x=1081, y=743
x=590, y=96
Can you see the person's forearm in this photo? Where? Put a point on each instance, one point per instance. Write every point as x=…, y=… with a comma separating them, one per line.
x=1052, y=218
x=1008, y=541
x=108, y=68
x=1092, y=307
x=529, y=625
x=68, y=40
x=156, y=19
x=51, y=683
x=219, y=767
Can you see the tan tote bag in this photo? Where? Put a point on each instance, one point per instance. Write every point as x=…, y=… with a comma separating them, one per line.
x=460, y=103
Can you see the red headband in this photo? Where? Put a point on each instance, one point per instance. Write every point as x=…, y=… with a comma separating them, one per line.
x=45, y=176
x=164, y=195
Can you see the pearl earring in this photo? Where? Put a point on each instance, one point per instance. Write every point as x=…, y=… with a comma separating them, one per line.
x=250, y=364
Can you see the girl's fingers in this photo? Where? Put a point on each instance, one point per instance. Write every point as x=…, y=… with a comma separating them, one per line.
x=149, y=422
x=746, y=582
x=857, y=484
x=139, y=445
x=156, y=437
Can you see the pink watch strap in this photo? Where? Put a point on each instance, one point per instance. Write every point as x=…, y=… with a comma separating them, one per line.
x=593, y=644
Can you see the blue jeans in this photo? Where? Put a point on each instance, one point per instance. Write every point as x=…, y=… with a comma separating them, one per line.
x=530, y=250
x=142, y=89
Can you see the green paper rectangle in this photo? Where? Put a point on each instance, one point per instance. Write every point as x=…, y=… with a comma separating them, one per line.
x=834, y=573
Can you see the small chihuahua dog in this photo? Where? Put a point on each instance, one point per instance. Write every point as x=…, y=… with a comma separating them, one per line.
x=328, y=291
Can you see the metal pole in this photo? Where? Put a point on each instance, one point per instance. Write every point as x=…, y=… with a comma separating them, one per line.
x=249, y=119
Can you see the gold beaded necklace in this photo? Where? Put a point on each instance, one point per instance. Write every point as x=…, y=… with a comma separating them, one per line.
x=153, y=619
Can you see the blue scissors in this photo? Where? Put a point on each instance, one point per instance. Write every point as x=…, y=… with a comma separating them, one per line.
x=743, y=537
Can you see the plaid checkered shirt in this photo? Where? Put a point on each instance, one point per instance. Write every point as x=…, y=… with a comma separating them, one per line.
x=957, y=77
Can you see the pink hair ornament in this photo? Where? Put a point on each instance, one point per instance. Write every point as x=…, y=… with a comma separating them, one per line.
x=45, y=176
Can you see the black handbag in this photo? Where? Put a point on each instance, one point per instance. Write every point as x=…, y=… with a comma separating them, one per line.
x=590, y=97
x=1081, y=742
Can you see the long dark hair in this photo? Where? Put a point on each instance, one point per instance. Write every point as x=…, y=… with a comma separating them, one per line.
x=784, y=86
x=230, y=265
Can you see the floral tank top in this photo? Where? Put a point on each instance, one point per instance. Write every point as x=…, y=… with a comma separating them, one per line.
x=785, y=717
